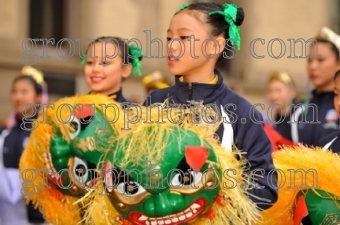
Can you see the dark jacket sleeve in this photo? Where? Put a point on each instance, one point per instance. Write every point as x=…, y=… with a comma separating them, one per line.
x=326, y=139
x=157, y=96
x=252, y=139
x=323, y=141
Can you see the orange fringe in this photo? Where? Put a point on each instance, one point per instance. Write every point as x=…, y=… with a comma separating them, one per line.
x=325, y=163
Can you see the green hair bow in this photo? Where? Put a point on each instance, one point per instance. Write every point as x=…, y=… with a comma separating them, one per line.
x=183, y=6
x=230, y=13
x=136, y=53
x=83, y=61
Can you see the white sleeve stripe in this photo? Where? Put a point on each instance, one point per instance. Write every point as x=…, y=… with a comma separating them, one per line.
x=228, y=133
x=3, y=135
x=294, y=124
x=329, y=144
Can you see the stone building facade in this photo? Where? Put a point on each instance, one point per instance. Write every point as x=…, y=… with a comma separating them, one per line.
x=145, y=19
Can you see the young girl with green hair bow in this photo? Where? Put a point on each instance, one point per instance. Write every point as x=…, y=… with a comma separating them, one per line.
x=110, y=60
x=199, y=36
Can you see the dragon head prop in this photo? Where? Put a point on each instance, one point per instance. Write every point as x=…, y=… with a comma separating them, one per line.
x=194, y=181
x=77, y=146
x=59, y=165
x=170, y=174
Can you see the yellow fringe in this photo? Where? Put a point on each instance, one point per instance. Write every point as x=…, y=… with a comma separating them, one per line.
x=57, y=208
x=324, y=164
x=100, y=211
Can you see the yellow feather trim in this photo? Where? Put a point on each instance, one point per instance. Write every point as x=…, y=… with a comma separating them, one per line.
x=291, y=162
x=56, y=207
x=238, y=210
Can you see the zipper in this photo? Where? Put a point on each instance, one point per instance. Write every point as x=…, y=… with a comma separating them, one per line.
x=190, y=90
x=193, y=116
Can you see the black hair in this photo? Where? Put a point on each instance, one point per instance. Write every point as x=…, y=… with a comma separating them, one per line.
x=337, y=74
x=37, y=87
x=334, y=49
x=218, y=25
x=124, y=50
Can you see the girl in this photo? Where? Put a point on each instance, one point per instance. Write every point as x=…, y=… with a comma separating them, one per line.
x=115, y=62
x=281, y=91
x=322, y=120
x=319, y=118
x=28, y=88
x=201, y=29
x=332, y=141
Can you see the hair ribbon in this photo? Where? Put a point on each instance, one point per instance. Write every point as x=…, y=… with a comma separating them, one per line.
x=183, y=6
x=136, y=53
x=230, y=16
x=83, y=61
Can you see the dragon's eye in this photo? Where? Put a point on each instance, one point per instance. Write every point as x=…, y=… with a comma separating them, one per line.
x=80, y=170
x=130, y=188
x=114, y=179
x=74, y=127
x=186, y=179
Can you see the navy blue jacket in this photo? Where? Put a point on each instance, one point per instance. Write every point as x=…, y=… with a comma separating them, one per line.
x=331, y=142
x=247, y=135
x=282, y=126
x=14, y=145
x=117, y=96
x=320, y=116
